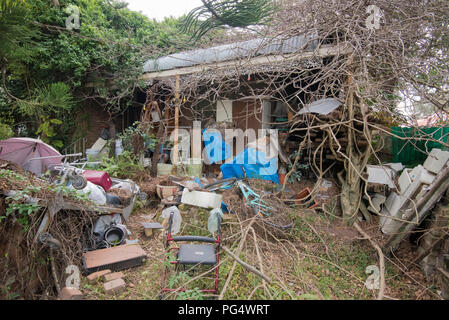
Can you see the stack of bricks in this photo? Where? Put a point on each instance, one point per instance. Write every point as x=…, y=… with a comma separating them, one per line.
x=113, y=281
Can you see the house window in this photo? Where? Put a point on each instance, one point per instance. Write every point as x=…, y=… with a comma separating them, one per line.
x=224, y=111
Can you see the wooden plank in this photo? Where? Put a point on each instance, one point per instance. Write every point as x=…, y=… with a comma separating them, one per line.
x=108, y=256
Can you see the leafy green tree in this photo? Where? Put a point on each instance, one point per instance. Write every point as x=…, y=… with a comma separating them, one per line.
x=17, y=36
x=100, y=63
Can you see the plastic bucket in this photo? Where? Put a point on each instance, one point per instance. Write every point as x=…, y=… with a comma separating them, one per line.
x=164, y=169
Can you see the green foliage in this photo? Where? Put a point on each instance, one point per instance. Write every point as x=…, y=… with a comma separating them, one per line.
x=47, y=103
x=70, y=193
x=125, y=165
x=177, y=280
x=16, y=35
x=48, y=67
x=5, y=131
x=52, y=99
x=9, y=174
x=296, y=175
x=191, y=294
x=232, y=13
x=131, y=132
x=18, y=204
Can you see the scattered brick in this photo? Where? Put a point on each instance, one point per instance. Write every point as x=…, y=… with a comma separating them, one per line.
x=114, y=286
x=93, y=277
x=113, y=276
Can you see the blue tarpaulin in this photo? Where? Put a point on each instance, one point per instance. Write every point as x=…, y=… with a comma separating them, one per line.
x=256, y=166
x=217, y=150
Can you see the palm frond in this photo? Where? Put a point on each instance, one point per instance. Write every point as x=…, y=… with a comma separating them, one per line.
x=227, y=13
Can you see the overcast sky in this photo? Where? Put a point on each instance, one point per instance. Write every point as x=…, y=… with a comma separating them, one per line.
x=159, y=9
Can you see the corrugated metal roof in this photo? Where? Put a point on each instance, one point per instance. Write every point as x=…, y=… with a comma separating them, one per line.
x=251, y=48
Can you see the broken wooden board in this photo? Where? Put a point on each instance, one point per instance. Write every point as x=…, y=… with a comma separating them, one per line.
x=115, y=258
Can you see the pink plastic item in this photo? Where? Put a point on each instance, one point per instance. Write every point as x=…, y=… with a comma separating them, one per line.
x=99, y=178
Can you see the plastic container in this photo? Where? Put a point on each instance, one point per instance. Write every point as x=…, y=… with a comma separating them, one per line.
x=194, y=167
x=190, y=168
x=166, y=191
x=164, y=169
x=118, y=147
x=100, y=178
x=92, y=155
x=282, y=178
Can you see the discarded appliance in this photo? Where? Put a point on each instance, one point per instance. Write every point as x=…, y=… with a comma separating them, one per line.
x=436, y=160
x=109, y=231
x=115, y=258
x=31, y=154
x=201, y=199
x=378, y=200
x=95, y=193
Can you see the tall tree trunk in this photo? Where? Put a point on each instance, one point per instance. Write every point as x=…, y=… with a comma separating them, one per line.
x=355, y=163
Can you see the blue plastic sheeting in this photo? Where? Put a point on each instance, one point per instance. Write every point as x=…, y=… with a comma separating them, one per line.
x=256, y=166
x=216, y=149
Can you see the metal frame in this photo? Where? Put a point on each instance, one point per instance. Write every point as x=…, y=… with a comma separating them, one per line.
x=171, y=238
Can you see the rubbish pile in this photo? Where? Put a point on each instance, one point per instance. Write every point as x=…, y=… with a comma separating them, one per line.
x=408, y=197
x=35, y=176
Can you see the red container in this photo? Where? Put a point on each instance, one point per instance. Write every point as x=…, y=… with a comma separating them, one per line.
x=100, y=178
